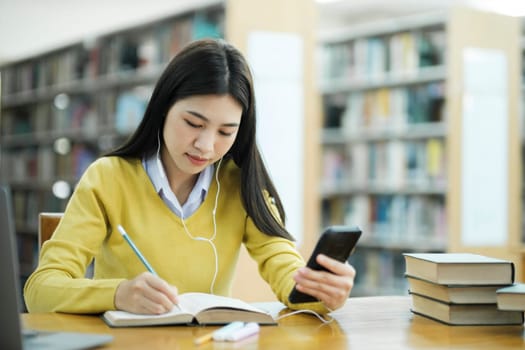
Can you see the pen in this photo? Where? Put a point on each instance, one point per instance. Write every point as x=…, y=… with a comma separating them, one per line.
x=249, y=329
x=135, y=249
x=220, y=333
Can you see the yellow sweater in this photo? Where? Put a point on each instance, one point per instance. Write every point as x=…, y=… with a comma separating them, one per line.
x=116, y=191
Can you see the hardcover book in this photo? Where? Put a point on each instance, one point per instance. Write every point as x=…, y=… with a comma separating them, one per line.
x=464, y=314
x=459, y=268
x=511, y=297
x=454, y=294
x=194, y=308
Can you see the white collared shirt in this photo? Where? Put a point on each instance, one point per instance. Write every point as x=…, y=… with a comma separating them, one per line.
x=155, y=170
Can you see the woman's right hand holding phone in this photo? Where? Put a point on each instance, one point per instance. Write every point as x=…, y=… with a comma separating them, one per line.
x=331, y=287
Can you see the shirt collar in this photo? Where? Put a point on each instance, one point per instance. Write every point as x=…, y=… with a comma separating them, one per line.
x=157, y=174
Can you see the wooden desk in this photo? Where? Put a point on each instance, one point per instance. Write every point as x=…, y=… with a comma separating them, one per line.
x=364, y=323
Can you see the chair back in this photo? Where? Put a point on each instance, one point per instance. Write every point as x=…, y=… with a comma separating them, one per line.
x=47, y=223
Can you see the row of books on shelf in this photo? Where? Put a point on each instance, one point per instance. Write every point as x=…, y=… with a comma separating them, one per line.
x=392, y=108
x=391, y=165
x=44, y=164
x=391, y=218
x=376, y=56
x=386, y=108
x=74, y=113
x=27, y=204
x=27, y=254
x=141, y=48
x=86, y=115
x=464, y=289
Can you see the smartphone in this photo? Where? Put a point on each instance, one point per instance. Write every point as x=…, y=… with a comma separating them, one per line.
x=337, y=242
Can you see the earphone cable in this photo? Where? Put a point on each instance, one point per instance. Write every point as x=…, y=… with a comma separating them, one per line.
x=214, y=220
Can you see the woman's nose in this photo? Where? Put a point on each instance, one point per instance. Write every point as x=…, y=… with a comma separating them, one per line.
x=205, y=141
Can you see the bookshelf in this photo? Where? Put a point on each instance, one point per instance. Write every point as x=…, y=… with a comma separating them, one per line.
x=63, y=108
x=392, y=156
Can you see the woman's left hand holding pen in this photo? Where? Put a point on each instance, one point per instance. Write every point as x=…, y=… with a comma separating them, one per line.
x=146, y=294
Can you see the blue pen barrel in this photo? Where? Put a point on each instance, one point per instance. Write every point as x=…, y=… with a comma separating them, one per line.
x=135, y=249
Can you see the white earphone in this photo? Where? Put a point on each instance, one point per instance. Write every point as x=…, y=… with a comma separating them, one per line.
x=159, y=164
x=210, y=240
x=199, y=238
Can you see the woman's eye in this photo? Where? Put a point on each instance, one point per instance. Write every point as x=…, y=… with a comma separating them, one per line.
x=193, y=125
x=224, y=133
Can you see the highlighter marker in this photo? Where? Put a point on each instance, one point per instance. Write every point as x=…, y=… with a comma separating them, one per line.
x=251, y=328
x=221, y=333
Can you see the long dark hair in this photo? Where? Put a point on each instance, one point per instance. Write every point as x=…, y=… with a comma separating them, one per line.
x=211, y=66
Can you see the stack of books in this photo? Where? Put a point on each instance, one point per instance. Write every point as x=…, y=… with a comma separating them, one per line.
x=461, y=288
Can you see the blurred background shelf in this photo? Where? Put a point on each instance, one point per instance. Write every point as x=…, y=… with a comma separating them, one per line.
x=390, y=91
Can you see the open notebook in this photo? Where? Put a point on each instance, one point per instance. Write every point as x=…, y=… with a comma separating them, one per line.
x=13, y=337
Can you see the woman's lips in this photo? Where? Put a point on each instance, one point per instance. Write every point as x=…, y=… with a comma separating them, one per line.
x=195, y=160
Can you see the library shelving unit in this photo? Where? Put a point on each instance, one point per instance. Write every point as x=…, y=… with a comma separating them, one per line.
x=63, y=108
x=399, y=144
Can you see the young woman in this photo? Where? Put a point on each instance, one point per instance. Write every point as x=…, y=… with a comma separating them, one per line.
x=189, y=187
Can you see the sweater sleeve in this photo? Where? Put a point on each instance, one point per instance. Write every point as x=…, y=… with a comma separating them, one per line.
x=58, y=284
x=277, y=259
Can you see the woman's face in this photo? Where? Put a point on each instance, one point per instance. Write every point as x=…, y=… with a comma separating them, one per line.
x=198, y=131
